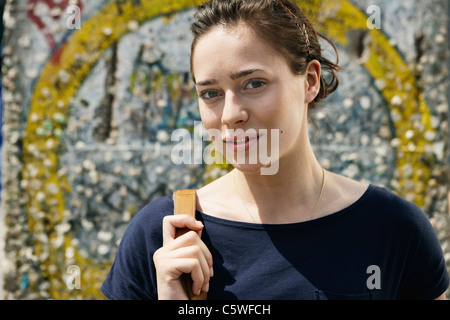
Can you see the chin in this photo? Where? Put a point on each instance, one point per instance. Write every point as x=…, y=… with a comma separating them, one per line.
x=259, y=168
x=248, y=168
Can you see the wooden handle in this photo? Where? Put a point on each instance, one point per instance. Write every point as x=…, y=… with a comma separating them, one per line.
x=184, y=203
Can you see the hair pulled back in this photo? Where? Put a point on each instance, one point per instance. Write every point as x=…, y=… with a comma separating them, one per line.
x=273, y=21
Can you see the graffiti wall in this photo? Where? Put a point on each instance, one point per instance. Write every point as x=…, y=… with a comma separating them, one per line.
x=93, y=90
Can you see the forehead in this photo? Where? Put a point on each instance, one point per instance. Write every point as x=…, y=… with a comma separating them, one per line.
x=228, y=49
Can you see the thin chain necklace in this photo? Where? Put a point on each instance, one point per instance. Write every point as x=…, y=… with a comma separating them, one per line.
x=320, y=195
x=312, y=212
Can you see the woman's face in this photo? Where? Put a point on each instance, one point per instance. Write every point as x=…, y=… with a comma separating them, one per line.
x=243, y=83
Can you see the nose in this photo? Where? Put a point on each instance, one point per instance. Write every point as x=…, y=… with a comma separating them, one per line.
x=233, y=113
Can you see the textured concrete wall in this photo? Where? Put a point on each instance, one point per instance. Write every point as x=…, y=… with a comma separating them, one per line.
x=89, y=114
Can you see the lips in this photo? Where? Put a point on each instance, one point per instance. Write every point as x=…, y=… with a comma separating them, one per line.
x=239, y=138
x=241, y=142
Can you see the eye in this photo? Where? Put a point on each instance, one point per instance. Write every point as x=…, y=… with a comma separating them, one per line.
x=254, y=84
x=209, y=94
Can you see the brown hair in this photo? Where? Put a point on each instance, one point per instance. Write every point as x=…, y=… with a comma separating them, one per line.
x=276, y=22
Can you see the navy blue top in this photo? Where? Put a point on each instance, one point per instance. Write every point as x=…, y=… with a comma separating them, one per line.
x=380, y=247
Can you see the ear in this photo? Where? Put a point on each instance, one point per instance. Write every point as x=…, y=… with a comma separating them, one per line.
x=312, y=80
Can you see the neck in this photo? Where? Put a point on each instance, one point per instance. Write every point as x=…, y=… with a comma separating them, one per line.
x=290, y=195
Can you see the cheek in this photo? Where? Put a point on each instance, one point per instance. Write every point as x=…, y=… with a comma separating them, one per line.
x=210, y=118
x=288, y=117
x=283, y=110
x=269, y=108
x=211, y=122
x=205, y=114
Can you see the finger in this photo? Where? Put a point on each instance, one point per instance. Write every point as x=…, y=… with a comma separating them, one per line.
x=189, y=239
x=203, y=255
x=198, y=253
x=193, y=267
x=173, y=222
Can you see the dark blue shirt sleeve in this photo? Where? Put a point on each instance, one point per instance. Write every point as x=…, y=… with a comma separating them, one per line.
x=132, y=275
x=426, y=275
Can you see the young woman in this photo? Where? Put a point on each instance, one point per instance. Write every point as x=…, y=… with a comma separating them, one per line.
x=300, y=233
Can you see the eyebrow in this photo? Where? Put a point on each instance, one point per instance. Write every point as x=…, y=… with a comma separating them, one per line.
x=233, y=76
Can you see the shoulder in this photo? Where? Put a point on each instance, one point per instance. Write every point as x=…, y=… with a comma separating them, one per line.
x=132, y=274
x=396, y=208
x=148, y=220
x=382, y=210
x=424, y=273
x=403, y=220
x=154, y=211
x=143, y=234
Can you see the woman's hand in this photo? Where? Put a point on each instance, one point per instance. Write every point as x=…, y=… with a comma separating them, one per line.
x=184, y=254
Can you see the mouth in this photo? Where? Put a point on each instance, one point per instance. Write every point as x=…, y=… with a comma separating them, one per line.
x=238, y=141
x=241, y=143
